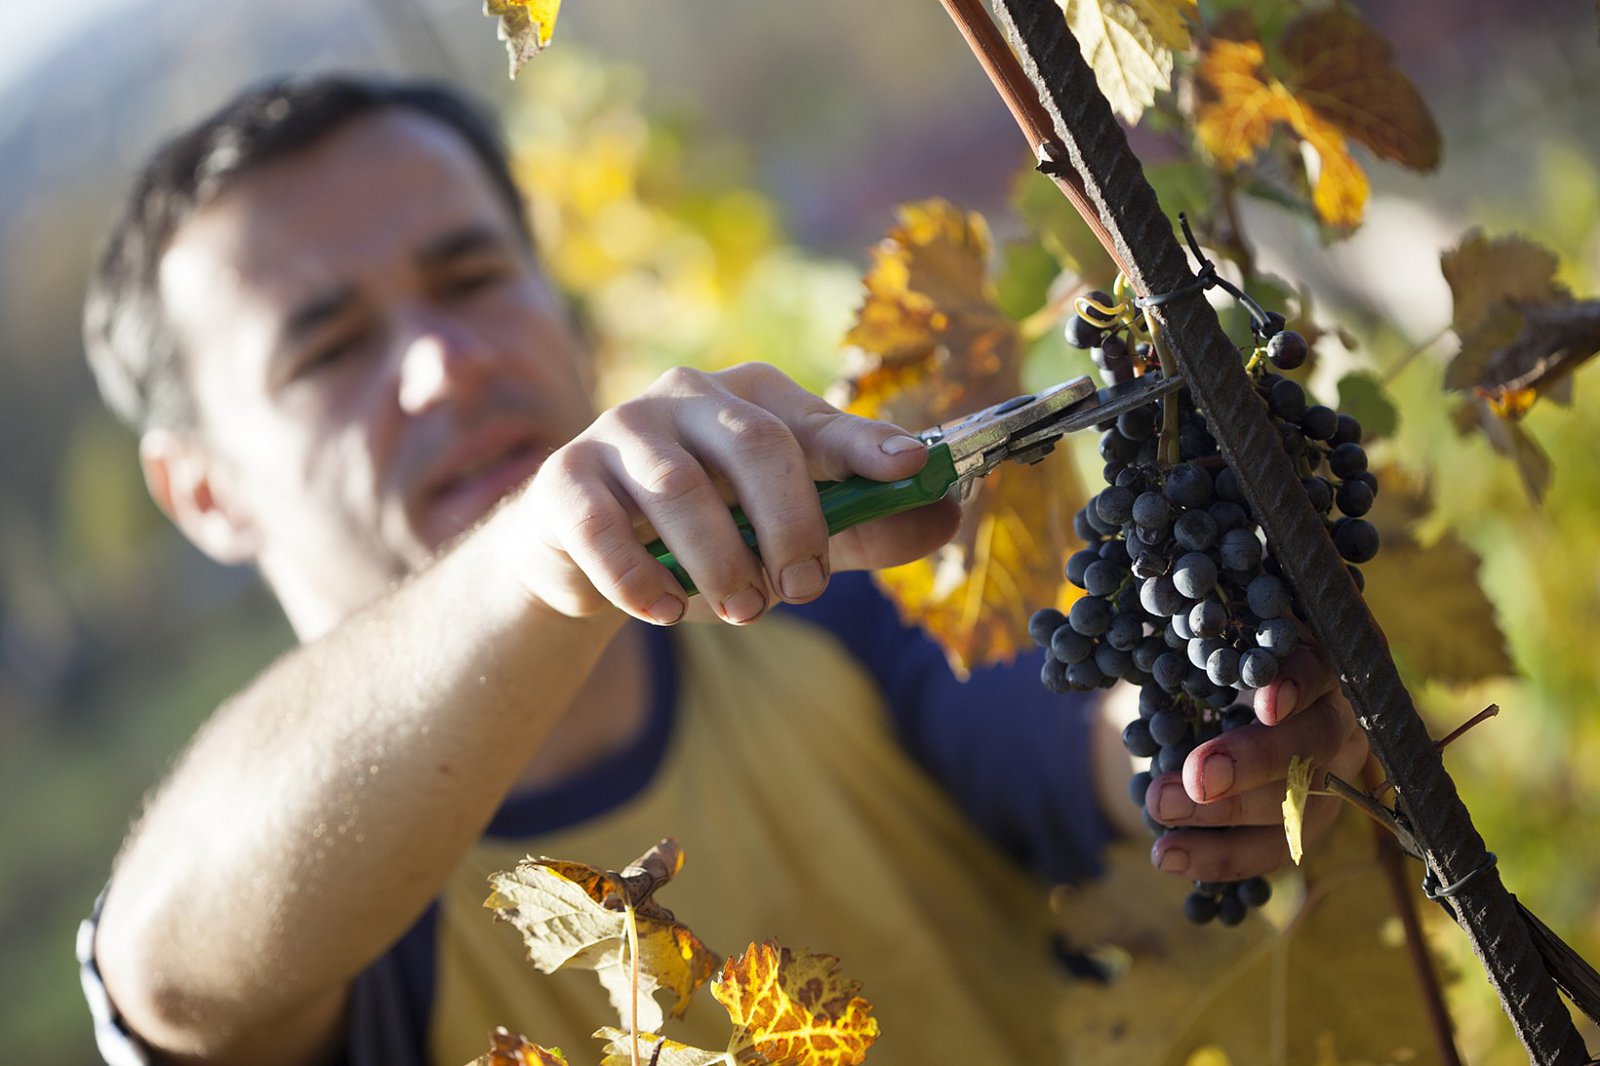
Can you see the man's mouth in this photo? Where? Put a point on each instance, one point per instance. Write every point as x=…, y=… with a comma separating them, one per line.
x=483, y=476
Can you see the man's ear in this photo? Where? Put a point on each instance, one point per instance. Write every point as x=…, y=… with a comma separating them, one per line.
x=183, y=477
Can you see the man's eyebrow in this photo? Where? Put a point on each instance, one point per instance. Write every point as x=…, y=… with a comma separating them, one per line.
x=467, y=240
x=316, y=310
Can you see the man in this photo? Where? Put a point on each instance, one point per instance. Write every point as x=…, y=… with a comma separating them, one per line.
x=323, y=314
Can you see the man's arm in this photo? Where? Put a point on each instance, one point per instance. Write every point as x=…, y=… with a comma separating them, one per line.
x=320, y=810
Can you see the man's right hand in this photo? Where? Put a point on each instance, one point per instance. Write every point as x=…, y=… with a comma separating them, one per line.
x=664, y=458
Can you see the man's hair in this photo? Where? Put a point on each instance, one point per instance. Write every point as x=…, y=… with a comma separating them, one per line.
x=130, y=343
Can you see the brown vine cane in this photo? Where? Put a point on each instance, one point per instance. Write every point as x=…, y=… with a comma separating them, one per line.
x=1109, y=187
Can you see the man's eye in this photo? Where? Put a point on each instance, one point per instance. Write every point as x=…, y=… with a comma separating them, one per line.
x=326, y=355
x=467, y=282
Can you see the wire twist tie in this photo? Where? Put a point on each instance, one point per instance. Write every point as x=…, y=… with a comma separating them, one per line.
x=1206, y=278
x=1438, y=895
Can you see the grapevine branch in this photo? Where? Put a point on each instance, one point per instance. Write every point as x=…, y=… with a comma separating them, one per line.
x=1111, y=191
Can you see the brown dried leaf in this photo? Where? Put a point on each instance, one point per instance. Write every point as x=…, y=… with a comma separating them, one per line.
x=1339, y=83
x=525, y=26
x=573, y=914
x=930, y=343
x=513, y=1049
x=1485, y=273
x=1510, y=439
x=795, y=1008
x=1427, y=597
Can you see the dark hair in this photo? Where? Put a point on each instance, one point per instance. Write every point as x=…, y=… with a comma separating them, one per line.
x=130, y=343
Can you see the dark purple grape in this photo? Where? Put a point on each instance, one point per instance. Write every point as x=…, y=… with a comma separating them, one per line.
x=1078, y=564
x=1319, y=492
x=1208, y=618
x=1354, y=498
x=1138, y=785
x=1043, y=624
x=1102, y=578
x=1287, y=400
x=1139, y=423
x=1347, y=461
x=1195, y=531
x=1287, y=350
x=1136, y=738
x=1267, y=596
x=1168, y=727
x=1188, y=485
x=1159, y=596
x=1113, y=662
x=1053, y=676
x=1349, y=431
x=1356, y=539
x=1319, y=422
x=1200, y=908
x=1277, y=635
x=1239, y=550
x=1084, y=675
x=1115, y=505
x=1080, y=333
x=1169, y=670
x=1255, y=891
x=1125, y=633
x=1151, y=511
x=1257, y=667
x=1090, y=615
x=1231, y=910
x=1195, y=573
x=1222, y=667
x=1070, y=646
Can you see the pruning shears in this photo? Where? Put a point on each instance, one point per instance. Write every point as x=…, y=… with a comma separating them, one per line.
x=1024, y=429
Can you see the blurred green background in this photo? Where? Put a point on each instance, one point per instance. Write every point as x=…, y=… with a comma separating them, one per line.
x=761, y=148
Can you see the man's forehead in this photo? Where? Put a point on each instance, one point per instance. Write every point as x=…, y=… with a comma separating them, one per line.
x=377, y=190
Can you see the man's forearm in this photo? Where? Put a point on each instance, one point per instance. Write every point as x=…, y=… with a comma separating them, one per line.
x=321, y=809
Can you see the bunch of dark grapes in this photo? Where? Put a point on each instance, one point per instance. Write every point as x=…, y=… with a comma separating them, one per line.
x=1182, y=598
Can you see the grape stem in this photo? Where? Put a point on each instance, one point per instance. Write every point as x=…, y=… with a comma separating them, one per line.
x=1167, y=454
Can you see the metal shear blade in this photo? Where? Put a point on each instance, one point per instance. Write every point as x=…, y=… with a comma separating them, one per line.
x=1025, y=428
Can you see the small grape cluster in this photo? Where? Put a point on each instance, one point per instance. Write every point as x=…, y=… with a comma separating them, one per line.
x=1181, y=597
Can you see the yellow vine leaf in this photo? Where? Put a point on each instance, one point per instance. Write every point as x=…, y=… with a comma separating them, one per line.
x=1339, y=84
x=573, y=914
x=795, y=1008
x=1294, y=805
x=930, y=343
x=513, y=1049
x=1128, y=48
x=1167, y=20
x=525, y=26
x=1315, y=967
x=654, y=1049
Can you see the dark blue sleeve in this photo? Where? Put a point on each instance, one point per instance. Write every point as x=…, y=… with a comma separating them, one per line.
x=1015, y=757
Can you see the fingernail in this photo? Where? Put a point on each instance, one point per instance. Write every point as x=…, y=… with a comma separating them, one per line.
x=744, y=606
x=801, y=581
x=666, y=611
x=1288, y=696
x=1171, y=860
x=1173, y=803
x=900, y=443
x=1216, y=775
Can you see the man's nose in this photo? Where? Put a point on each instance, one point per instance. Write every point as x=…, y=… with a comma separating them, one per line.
x=441, y=360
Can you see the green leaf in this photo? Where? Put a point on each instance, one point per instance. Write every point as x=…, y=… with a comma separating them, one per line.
x=1362, y=395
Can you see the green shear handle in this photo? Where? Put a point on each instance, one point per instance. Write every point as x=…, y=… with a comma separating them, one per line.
x=848, y=503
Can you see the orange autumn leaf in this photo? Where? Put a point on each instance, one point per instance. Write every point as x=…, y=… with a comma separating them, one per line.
x=975, y=594
x=1339, y=84
x=573, y=914
x=795, y=1008
x=513, y=1049
x=931, y=343
x=525, y=26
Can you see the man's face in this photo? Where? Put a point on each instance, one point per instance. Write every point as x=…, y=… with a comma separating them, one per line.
x=374, y=356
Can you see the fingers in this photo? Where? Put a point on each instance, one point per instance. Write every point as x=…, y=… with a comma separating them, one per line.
x=1248, y=758
x=1236, y=853
x=1169, y=801
x=667, y=458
